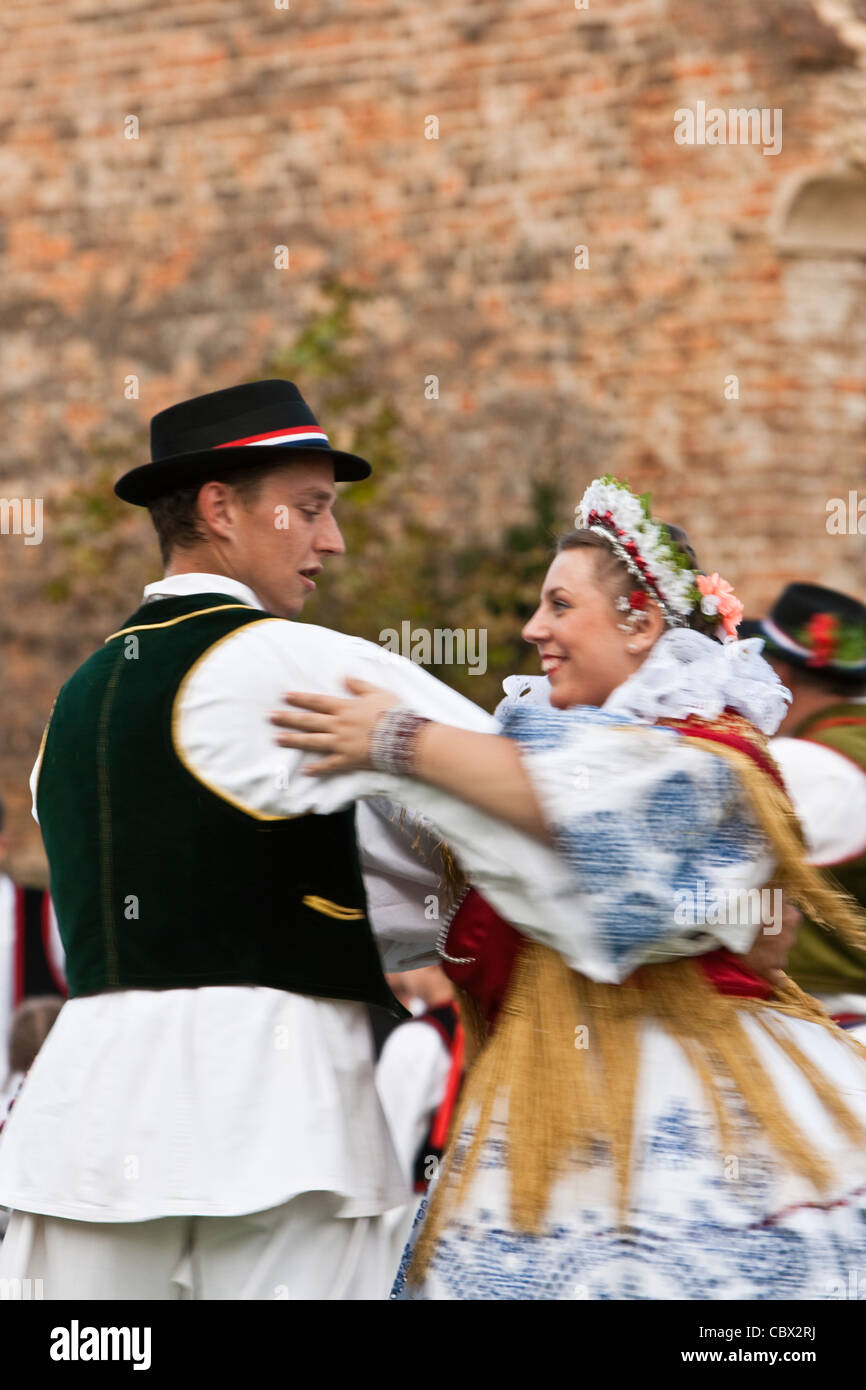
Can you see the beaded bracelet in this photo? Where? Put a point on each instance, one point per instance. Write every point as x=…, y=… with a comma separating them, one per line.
x=392, y=743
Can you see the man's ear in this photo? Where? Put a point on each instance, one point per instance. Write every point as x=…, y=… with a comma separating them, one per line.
x=216, y=502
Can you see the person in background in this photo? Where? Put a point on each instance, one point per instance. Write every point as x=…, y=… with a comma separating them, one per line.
x=414, y=1069
x=383, y=1023
x=32, y=1021
x=418, y=1078
x=31, y=952
x=815, y=639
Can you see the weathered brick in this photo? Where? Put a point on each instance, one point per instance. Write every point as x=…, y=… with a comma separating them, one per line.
x=259, y=127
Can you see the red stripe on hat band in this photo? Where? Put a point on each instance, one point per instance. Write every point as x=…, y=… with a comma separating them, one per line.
x=307, y=430
x=782, y=639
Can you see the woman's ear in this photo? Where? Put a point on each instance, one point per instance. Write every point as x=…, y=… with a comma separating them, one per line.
x=648, y=630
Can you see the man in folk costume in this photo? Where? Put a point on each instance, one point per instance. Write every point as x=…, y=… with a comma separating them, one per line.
x=815, y=638
x=202, y=1121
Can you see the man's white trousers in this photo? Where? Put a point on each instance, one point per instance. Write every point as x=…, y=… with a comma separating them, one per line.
x=299, y=1250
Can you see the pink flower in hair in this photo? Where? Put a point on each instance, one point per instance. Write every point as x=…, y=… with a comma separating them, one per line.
x=719, y=598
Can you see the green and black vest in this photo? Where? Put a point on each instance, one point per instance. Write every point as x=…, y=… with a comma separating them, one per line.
x=158, y=882
x=820, y=961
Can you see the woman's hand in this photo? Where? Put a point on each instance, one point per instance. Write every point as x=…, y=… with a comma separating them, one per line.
x=340, y=728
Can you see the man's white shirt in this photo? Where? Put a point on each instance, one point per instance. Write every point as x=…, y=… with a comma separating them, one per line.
x=226, y=1100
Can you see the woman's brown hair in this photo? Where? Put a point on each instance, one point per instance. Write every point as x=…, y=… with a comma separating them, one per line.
x=614, y=577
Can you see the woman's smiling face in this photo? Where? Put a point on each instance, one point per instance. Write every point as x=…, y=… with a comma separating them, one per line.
x=584, y=653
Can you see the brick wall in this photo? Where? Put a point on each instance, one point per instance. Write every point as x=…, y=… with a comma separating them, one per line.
x=305, y=127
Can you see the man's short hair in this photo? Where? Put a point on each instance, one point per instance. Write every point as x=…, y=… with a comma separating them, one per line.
x=175, y=515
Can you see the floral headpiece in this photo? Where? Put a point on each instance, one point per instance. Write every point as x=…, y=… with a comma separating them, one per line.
x=652, y=557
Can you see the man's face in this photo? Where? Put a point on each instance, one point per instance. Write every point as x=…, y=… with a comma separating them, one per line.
x=277, y=543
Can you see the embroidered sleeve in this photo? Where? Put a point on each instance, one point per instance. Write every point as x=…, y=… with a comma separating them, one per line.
x=657, y=836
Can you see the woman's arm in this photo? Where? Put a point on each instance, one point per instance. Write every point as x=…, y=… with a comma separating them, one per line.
x=646, y=828
x=484, y=770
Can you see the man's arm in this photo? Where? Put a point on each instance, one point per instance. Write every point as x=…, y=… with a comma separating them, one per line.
x=223, y=735
x=221, y=726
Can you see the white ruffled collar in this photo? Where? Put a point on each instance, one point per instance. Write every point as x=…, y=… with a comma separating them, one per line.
x=685, y=673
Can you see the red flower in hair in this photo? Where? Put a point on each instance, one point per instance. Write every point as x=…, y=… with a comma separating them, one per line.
x=637, y=599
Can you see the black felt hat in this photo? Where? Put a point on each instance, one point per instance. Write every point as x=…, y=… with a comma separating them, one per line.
x=241, y=427
x=816, y=627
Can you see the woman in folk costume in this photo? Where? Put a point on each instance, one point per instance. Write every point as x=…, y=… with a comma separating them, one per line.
x=646, y=1116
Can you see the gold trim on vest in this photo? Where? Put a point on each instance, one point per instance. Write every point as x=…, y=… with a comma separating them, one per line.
x=170, y=622
x=42, y=742
x=175, y=718
x=324, y=905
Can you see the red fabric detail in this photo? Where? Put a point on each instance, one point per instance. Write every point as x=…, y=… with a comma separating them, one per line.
x=478, y=931
x=837, y=723
x=271, y=434
x=732, y=740
x=442, y=1120
x=433, y=1022
x=728, y=975
x=20, y=934
x=807, y=1206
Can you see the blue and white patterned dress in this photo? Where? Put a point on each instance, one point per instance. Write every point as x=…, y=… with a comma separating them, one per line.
x=641, y=818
